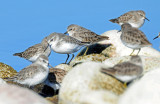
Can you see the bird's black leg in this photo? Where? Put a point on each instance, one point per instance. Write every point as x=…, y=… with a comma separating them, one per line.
x=71, y=58
x=67, y=58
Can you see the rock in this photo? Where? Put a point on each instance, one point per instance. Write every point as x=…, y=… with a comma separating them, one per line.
x=87, y=58
x=144, y=91
x=94, y=49
x=95, y=97
x=53, y=99
x=2, y=81
x=65, y=67
x=12, y=94
x=6, y=71
x=55, y=76
x=59, y=74
x=49, y=87
x=99, y=97
x=118, y=49
x=85, y=79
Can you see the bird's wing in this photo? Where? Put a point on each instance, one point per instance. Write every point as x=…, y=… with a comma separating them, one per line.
x=27, y=72
x=125, y=17
x=127, y=68
x=143, y=38
x=31, y=51
x=89, y=37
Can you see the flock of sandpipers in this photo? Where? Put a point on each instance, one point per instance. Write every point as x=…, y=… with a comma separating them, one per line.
x=79, y=37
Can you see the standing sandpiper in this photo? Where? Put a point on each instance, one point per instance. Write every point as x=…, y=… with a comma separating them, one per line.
x=33, y=52
x=133, y=38
x=126, y=71
x=84, y=35
x=64, y=44
x=157, y=36
x=33, y=74
x=135, y=18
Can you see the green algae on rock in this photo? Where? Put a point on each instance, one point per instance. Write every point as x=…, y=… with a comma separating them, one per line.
x=6, y=71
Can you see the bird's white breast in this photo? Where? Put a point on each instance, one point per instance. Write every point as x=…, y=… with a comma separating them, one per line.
x=65, y=48
x=126, y=78
x=38, y=78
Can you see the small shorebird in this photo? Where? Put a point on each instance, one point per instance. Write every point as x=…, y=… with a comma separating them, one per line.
x=135, y=18
x=84, y=35
x=133, y=38
x=33, y=52
x=126, y=71
x=33, y=74
x=64, y=44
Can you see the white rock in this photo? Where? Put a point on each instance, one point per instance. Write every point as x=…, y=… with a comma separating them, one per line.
x=85, y=84
x=144, y=91
x=2, y=82
x=122, y=50
x=11, y=94
x=99, y=97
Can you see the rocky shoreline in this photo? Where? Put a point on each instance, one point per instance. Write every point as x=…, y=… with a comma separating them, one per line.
x=83, y=83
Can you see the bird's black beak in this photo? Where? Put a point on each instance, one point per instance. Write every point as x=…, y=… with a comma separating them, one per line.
x=47, y=47
x=119, y=31
x=147, y=19
x=156, y=37
x=66, y=32
x=50, y=65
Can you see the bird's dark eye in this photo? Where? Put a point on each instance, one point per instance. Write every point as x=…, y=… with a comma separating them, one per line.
x=44, y=61
x=70, y=29
x=51, y=40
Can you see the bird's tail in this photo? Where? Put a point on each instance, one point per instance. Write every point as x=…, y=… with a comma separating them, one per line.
x=101, y=38
x=114, y=20
x=108, y=71
x=9, y=79
x=104, y=37
x=85, y=43
x=18, y=54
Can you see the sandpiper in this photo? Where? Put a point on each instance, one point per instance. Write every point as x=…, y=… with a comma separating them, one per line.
x=126, y=71
x=33, y=52
x=84, y=35
x=64, y=44
x=133, y=38
x=135, y=18
x=33, y=74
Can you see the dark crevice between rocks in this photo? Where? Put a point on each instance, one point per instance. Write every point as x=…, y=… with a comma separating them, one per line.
x=48, y=91
x=77, y=64
x=95, y=48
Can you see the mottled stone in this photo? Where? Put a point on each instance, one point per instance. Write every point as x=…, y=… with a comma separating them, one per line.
x=2, y=81
x=87, y=58
x=53, y=99
x=12, y=94
x=65, y=67
x=86, y=78
x=94, y=49
x=59, y=74
x=6, y=71
x=143, y=91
